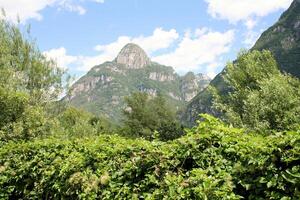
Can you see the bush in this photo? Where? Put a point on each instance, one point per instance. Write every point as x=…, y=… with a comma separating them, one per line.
x=18, y=119
x=212, y=161
x=12, y=106
x=79, y=123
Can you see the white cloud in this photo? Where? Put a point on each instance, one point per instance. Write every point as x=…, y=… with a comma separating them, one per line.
x=70, y=6
x=243, y=10
x=98, y=1
x=250, y=24
x=211, y=69
x=247, y=12
x=60, y=56
x=198, y=50
x=202, y=49
x=31, y=9
x=160, y=39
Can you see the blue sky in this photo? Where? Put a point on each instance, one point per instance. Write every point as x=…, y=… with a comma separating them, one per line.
x=193, y=35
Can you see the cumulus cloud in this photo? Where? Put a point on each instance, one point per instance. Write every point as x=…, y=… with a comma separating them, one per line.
x=60, y=56
x=159, y=39
x=198, y=50
x=31, y=9
x=244, y=10
x=201, y=49
x=250, y=24
x=248, y=12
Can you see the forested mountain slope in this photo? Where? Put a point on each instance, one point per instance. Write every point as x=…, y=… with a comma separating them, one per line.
x=283, y=39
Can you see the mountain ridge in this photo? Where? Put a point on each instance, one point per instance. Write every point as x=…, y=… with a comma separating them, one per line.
x=282, y=39
x=102, y=89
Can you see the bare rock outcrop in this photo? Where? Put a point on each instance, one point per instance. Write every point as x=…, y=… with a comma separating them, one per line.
x=133, y=57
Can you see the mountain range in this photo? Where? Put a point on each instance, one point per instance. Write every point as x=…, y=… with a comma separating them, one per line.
x=282, y=39
x=102, y=90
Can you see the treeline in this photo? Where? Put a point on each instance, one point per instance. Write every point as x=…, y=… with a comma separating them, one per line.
x=49, y=150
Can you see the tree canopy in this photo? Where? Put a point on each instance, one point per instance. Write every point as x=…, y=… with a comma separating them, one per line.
x=144, y=115
x=24, y=68
x=260, y=97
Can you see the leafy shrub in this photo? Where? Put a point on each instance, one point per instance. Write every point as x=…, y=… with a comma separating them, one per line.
x=12, y=105
x=18, y=119
x=260, y=97
x=79, y=123
x=213, y=161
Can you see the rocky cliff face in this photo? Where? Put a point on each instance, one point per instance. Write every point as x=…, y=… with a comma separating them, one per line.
x=102, y=90
x=283, y=39
x=191, y=84
x=133, y=57
x=157, y=76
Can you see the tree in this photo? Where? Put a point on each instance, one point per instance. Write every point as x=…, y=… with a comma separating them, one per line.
x=260, y=96
x=24, y=68
x=28, y=83
x=144, y=115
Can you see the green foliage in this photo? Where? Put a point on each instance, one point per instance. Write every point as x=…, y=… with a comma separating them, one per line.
x=12, y=106
x=212, y=161
x=282, y=39
x=29, y=83
x=24, y=68
x=145, y=114
x=18, y=119
x=276, y=105
x=79, y=123
x=29, y=86
x=72, y=115
x=51, y=151
x=260, y=96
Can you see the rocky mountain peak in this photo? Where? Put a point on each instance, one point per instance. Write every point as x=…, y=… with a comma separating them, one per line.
x=133, y=57
x=102, y=90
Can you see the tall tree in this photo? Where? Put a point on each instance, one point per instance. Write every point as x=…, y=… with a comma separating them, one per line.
x=260, y=96
x=144, y=115
x=28, y=82
x=24, y=68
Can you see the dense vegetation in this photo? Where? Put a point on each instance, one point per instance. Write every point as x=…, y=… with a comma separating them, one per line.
x=282, y=39
x=49, y=150
x=260, y=96
x=145, y=116
x=212, y=161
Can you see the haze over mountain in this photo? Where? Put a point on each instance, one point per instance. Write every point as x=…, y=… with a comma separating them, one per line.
x=102, y=90
x=283, y=39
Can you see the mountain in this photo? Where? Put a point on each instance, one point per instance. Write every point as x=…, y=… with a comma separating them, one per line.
x=102, y=90
x=283, y=39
